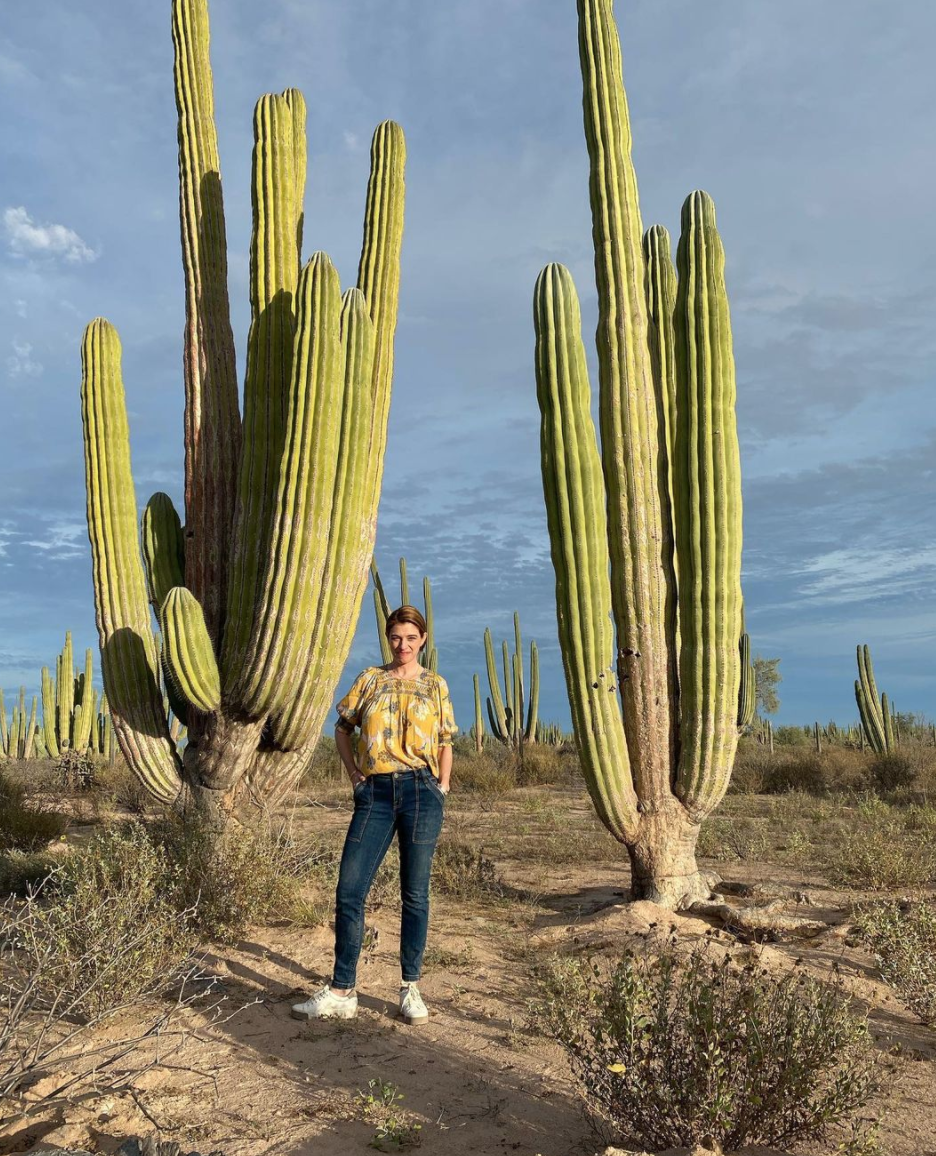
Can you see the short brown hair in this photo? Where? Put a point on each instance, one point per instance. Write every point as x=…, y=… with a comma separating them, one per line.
x=407, y=614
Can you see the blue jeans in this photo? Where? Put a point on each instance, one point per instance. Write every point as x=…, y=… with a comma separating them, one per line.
x=410, y=804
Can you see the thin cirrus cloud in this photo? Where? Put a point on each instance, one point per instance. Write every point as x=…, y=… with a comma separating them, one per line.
x=26, y=238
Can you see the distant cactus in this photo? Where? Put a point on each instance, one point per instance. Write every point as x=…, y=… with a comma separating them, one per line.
x=280, y=508
x=429, y=655
x=645, y=535
x=876, y=721
x=478, y=718
x=747, y=697
x=507, y=706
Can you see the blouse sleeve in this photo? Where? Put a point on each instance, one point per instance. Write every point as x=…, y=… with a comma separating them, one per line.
x=350, y=707
x=447, y=727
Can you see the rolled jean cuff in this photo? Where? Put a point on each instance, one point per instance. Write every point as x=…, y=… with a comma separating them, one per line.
x=335, y=982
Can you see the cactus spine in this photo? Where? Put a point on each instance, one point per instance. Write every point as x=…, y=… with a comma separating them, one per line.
x=505, y=708
x=258, y=607
x=649, y=529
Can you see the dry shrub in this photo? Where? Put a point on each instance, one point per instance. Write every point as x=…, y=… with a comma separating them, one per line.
x=892, y=772
x=24, y=825
x=540, y=765
x=728, y=839
x=751, y=768
x=671, y=1052
x=884, y=849
x=464, y=872
x=23, y=873
x=245, y=877
x=902, y=938
x=105, y=929
x=488, y=773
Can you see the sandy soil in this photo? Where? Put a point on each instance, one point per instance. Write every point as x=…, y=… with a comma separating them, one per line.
x=475, y=1079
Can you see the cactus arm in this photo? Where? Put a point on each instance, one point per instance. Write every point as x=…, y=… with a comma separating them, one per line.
x=478, y=717
x=498, y=713
x=639, y=522
x=510, y=704
x=869, y=703
x=357, y=488
x=285, y=618
x=84, y=718
x=746, y=696
x=49, y=714
x=577, y=523
x=163, y=547
x=518, y=731
x=30, y=731
x=297, y=106
x=274, y=273
x=350, y=540
x=429, y=651
x=381, y=612
x=129, y=660
x=188, y=655
x=379, y=274
x=404, y=584
x=890, y=738
x=532, y=713
x=493, y=722
x=707, y=502
x=65, y=692
x=212, y=418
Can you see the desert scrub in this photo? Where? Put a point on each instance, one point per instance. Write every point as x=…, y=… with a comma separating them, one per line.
x=727, y=839
x=882, y=849
x=671, y=1051
x=105, y=929
x=247, y=877
x=25, y=826
x=463, y=872
x=902, y=938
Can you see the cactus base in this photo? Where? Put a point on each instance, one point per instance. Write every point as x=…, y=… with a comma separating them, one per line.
x=663, y=861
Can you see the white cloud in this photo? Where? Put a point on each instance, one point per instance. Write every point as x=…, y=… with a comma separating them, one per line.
x=862, y=574
x=20, y=363
x=20, y=306
x=352, y=140
x=63, y=540
x=27, y=239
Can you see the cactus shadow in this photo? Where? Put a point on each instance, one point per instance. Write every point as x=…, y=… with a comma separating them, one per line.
x=129, y=678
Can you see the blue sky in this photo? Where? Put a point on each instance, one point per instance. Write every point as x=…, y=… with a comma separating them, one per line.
x=811, y=126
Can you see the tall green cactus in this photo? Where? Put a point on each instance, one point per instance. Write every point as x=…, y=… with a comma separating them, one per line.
x=645, y=534
x=69, y=703
x=258, y=601
x=429, y=655
x=747, y=697
x=505, y=707
x=877, y=721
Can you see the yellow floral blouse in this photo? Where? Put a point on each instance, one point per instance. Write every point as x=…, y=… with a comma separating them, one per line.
x=403, y=721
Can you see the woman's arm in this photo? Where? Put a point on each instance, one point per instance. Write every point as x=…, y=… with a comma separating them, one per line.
x=445, y=767
x=346, y=751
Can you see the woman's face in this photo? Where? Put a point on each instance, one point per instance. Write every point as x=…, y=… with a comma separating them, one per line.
x=405, y=641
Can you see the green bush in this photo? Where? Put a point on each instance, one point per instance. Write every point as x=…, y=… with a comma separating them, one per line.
x=902, y=938
x=23, y=826
x=672, y=1052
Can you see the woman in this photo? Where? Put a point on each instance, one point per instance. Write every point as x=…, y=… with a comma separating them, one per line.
x=400, y=776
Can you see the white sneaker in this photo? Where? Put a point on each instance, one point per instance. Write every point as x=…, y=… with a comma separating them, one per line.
x=324, y=1004
x=412, y=1008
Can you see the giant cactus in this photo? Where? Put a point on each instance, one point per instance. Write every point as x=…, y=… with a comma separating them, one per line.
x=877, y=717
x=69, y=703
x=258, y=598
x=646, y=534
